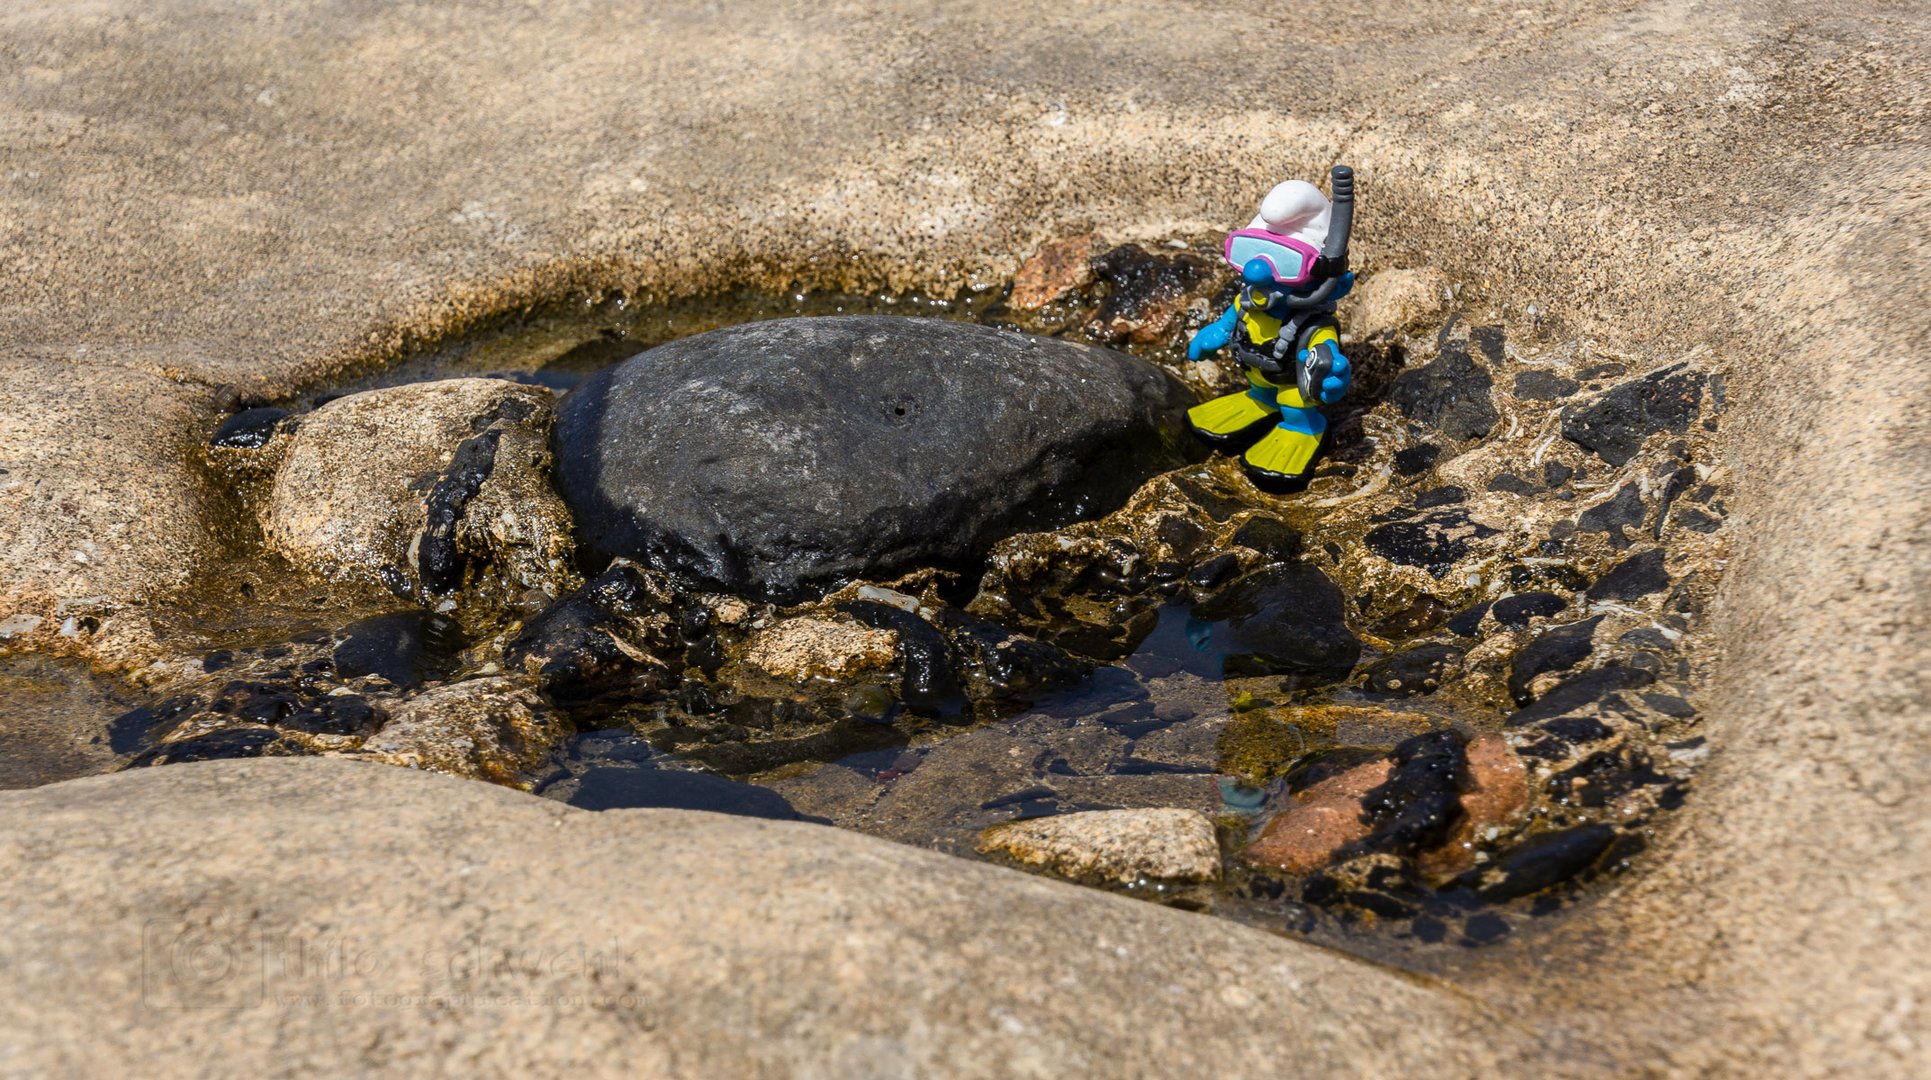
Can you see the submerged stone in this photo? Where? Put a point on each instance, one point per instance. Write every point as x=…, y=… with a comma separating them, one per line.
x=1452, y=394
x=489, y=728
x=1558, y=649
x=1633, y=578
x=1614, y=426
x=1126, y=847
x=1434, y=541
x=1519, y=609
x=1285, y=619
x=925, y=656
x=249, y=429
x=1324, y=818
x=780, y=457
x=1548, y=859
x=1420, y=670
x=403, y=648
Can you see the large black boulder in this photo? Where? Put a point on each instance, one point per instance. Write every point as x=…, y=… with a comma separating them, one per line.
x=781, y=457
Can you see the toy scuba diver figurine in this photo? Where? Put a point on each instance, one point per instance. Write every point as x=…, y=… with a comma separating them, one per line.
x=1293, y=263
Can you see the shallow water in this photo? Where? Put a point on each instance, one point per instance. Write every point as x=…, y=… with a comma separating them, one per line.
x=1160, y=726
x=54, y=720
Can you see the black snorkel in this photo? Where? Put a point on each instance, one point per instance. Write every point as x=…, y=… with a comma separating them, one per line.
x=1333, y=263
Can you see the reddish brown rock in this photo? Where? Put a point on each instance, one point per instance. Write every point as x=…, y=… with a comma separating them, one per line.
x=1324, y=819
x=1059, y=268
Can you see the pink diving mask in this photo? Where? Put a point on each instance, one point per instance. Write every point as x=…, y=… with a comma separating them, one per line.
x=1291, y=259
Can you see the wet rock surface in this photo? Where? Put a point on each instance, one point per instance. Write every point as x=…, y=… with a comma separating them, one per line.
x=784, y=455
x=129, y=299
x=1457, y=641
x=422, y=491
x=1124, y=847
x=495, y=728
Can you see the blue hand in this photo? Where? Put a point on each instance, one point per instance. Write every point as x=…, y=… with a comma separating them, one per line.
x=1209, y=338
x=1340, y=377
x=1214, y=336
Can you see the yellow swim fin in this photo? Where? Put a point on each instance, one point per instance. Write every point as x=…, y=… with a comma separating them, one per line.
x=1283, y=455
x=1225, y=419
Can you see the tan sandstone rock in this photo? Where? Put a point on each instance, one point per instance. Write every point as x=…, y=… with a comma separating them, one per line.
x=485, y=729
x=1126, y=847
x=352, y=499
x=1398, y=301
x=810, y=647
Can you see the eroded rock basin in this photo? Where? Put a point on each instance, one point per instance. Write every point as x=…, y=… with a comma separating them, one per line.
x=1432, y=696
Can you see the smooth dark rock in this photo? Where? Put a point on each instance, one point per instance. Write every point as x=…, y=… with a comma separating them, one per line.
x=1468, y=621
x=1214, y=570
x=925, y=657
x=249, y=429
x=1605, y=776
x=1517, y=610
x=573, y=643
x=1425, y=614
x=1697, y=521
x=1484, y=928
x=1546, y=860
x=1558, y=649
x=1489, y=339
x=1414, y=808
x=1272, y=537
x=1434, y=542
x=1537, y=385
x=338, y=714
x=997, y=663
x=438, y=564
x=1614, y=426
x=1670, y=705
x=1446, y=495
x=1635, y=577
x=1580, y=691
x=1416, y=459
x=1625, y=508
x=1647, y=637
x=1419, y=670
x=1428, y=929
x=219, y=746
x=1578, y=730
x=403, y=648
x=1511, y=483
x=1453, y=394
x=136, y=728
x=1282, y=619
x=780, y=457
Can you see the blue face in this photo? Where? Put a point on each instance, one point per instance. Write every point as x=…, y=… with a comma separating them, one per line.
x=1257, y=271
